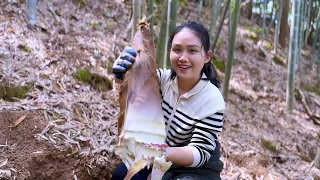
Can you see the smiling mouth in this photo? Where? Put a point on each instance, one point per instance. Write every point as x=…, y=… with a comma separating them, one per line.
x=184, y=66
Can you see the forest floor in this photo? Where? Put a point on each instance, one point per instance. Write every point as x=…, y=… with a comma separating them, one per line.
x=64, y=124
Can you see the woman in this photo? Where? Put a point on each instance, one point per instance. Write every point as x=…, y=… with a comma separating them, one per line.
x=192, y=104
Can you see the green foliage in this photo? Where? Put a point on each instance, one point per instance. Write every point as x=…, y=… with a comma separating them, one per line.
x=257, y=30
x=80, y=2
x=311, y=88
x=110, y=64
x=98, y=82
x=254, y=29
x=182, y=2
x=219, y=43
x=268, y=46
x=253, y=36
x=277, y=60
x=9, y=93
x=247, y=28
x=83, y=75
x=218, y=64
x=94, y=25
x=268, y=145
x=24, y=48
x=244, y=109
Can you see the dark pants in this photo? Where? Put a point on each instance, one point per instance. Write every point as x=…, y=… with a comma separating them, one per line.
x=210, y=171
x=121, y=171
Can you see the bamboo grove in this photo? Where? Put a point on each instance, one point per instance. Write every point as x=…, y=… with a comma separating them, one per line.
x=293, y=25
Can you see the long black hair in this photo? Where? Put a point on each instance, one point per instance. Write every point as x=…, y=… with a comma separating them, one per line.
x=200, y=31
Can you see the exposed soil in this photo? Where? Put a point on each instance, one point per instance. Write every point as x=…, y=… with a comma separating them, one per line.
x=31, y=157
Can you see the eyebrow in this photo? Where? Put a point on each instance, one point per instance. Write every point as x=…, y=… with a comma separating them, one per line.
x=192, y=45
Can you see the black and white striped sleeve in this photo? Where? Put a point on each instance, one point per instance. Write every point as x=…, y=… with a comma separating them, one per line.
x=203, y=138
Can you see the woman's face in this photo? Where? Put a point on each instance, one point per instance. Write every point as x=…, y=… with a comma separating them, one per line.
x=188, y=56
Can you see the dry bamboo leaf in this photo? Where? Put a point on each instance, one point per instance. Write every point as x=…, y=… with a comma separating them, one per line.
x=18, y=121
x=3, y=163
x=58, y=88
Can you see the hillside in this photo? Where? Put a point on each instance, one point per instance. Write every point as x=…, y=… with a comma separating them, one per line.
x=64, y=124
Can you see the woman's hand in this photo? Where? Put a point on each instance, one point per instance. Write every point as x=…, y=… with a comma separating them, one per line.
x=124, y=62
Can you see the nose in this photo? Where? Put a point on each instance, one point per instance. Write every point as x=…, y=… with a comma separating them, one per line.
x=184, y=56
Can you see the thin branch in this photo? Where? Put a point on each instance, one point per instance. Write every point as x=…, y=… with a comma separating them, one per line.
x=315, y=118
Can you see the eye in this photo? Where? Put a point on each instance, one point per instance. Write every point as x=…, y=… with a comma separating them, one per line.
x=176, y=50
x=192, y=51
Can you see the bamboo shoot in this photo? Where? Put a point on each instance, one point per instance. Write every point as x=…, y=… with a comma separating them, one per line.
x=141, y=123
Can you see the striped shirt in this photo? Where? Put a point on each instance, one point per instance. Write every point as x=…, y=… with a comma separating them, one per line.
x=193, y=119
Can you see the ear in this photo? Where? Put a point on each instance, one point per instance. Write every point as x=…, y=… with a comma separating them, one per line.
x=208, y=56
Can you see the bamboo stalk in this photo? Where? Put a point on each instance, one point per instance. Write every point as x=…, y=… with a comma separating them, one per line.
x=264, y=17
x=161, y=43
x=172, y=26
x=220, y=25
x=231, y=50
x=135, y=16
x=292, y=54
x=300, y=36
x=165, y=59
x=199, y=9
x=151, y=15
x=316, y=160
x=213, y=17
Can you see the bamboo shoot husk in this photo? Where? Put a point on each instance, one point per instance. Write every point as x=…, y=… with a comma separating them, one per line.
x=141, y=124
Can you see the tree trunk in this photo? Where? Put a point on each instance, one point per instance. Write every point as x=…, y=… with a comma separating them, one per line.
x=252, y=17
x=276, y=34
x=220, y=25
x=305, y=24
x=273, y=16
x=250, y=9
x=231, y=50
x=294, y=34
x=284, y=23
x=314, y=41
x=308, y=21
